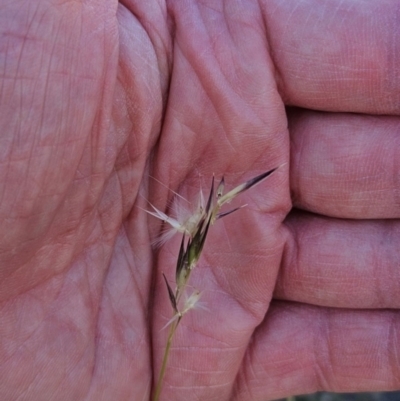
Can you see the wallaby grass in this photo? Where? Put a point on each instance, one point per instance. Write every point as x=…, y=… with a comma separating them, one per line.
x=193, y=226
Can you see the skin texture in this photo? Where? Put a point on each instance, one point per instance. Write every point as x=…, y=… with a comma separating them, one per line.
x=301, y=286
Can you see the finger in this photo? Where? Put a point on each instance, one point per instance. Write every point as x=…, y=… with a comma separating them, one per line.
x=302, y=349
x=345, y=165
x=336, y=55
x=341, y=263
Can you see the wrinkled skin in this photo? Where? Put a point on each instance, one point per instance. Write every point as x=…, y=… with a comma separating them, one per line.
x=301, y=286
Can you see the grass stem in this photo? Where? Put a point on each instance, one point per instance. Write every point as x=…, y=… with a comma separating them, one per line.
x=160, y=380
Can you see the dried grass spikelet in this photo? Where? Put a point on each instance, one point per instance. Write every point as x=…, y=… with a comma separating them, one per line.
x=185, y=220
x=194, y=229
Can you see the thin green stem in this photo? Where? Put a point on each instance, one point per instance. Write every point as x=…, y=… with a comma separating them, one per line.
x=160, y=380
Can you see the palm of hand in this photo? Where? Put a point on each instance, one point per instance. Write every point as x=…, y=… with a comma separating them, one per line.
x=91, y=113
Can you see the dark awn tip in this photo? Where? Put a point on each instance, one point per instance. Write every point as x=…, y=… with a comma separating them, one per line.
x=220, y=215
x=257, y=179
x=171, y=295
x=209, y=201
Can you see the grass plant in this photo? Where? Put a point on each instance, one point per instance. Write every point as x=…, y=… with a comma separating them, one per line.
x=194, y=228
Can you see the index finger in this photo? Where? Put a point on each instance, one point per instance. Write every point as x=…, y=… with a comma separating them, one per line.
x=336, y=56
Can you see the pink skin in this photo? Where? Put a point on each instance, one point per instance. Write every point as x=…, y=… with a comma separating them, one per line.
x=96, y=96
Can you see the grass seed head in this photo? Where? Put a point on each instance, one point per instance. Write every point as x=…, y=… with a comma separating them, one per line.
x=194, y=231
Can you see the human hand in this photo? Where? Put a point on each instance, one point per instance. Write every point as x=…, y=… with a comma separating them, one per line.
x=97, y=96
